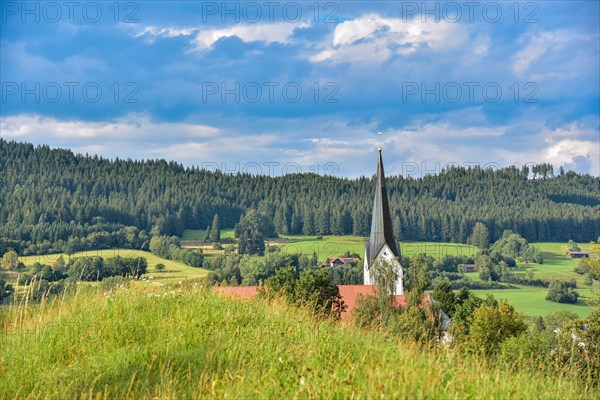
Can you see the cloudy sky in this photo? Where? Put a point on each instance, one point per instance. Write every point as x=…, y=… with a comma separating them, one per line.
x=277, y=87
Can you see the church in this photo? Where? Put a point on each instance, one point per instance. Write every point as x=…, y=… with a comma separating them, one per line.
x=382, y=247
x=379, y=249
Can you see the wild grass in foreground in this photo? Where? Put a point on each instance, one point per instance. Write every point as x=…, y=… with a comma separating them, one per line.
x=182, y=341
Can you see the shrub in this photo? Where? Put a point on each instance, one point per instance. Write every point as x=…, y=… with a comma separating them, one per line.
x=311, y=289
x=160, y=267
x=582, y=268
x=444, y=296
x=532, y=348
x=578, y=347
x=87, y=269
x=562, y=292
x=557, y=319
x=493, y=325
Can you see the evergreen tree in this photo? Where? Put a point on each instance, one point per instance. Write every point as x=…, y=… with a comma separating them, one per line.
x=215, y=230
x=90, y=202
x=207, y=236
x=252, y=243
x=480, y=236
x=397, y=230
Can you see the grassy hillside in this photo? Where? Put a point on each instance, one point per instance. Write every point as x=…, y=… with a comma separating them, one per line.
x=158, y=341
x=556, y=264
x=336, y=246
x=174, y=270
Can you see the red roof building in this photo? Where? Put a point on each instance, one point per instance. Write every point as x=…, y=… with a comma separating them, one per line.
x=334, y=261
x=349, y=294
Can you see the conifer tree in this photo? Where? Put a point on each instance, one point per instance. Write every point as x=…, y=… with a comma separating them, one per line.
x=215, y=230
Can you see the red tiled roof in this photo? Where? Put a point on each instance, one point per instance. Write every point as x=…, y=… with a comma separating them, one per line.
x=349, y=294
x=243, y=292
x=343, y=259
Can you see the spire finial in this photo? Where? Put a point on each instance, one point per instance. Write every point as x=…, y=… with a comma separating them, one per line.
x=379, y=135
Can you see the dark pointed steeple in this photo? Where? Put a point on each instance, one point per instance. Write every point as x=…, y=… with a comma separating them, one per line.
x=382, y=231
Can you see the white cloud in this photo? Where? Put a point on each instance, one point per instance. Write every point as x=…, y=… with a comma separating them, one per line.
x=151, y=33
x=372, y=38
x=549, y=46
x=132, y=127
x=274, y=32
x=204, y=39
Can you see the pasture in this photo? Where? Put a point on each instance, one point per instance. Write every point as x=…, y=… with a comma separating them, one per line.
x=174, y=271
x=337, y=246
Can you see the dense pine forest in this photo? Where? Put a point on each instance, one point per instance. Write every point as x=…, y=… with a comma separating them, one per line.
x=52, y=199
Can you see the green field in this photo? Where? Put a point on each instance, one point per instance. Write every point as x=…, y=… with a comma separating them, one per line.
x=174, y=270
x=337, y=246
x=200, y=234
x=183, y=342
x=532, y=301
x=557, y=265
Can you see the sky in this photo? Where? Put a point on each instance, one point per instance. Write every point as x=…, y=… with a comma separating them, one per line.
x=276, y=87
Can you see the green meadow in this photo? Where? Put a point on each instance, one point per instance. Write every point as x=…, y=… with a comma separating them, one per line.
x=532, y=301
x=336, y=246
x=174, y=271
x=200, y=234
x=153, y=341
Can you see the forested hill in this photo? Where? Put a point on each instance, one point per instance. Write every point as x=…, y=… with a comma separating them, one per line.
x=50, y=197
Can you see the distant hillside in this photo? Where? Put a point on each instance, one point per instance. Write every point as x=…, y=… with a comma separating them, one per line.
x=182, y=342
x=50, y=197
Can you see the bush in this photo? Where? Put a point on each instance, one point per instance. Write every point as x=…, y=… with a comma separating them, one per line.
x=493, y=325
x=532, y=348
x=123, y=266
x=562, y=292
x=87, y=269
x=582, y=268
x=160, y=267
x=578, y=347
x=556, y=320
x=311, y=289
x=444, y=296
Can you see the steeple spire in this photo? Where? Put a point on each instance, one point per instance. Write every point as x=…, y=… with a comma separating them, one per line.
x=381, y=225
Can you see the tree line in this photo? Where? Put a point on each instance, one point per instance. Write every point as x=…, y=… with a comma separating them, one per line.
x=54, y=200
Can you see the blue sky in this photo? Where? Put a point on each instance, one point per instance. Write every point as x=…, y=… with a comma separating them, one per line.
x=278, y=87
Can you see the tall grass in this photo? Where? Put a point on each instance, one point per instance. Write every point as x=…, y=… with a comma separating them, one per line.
x=181, y=341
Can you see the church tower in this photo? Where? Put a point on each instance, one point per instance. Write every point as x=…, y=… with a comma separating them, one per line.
x=381, y=245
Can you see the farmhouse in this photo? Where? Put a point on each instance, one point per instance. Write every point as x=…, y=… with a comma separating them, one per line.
x=578, y=254
x=334, y=262
x=469, y=267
